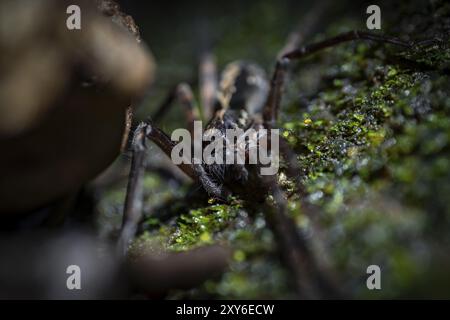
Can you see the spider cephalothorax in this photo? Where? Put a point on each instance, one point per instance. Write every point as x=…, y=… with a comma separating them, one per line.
x=242, y=92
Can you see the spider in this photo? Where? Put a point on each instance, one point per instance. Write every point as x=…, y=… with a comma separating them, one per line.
x=245, y=99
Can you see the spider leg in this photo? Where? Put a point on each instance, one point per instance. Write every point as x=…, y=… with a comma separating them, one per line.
x=270, y=112
x=195, y=171
x=134, y=197
x=308, y=24
x=217, y=191
x=198, y=264
x=208, y=83
x=135, y=190
x=186, y=98
x=182, y=93
x=165, y=106
x=163, y=141
x=309, y=280
x=304, y=51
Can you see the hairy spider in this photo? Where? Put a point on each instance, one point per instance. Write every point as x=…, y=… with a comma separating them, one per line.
x=245, y=99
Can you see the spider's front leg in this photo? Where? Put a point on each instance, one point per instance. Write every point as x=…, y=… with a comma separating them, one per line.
x=271, y=109
x=182, y=93
x=195, y=171
x=354, y=35
x=135, y=190
x=134, y=196
x=155, y=274
x=163, y=141
x=133, y=206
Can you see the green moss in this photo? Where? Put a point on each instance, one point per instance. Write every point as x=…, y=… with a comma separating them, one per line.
x=374, y=149
x=200, y=226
